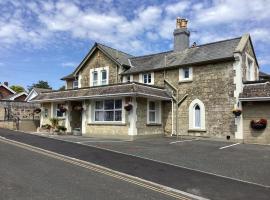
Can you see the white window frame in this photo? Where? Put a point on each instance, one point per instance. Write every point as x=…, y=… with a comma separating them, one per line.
x=141, y=78
x=103, y=110
x=182, y=74
x=74, y=85
x=250, y=69
x=192, y=106
x=99, y=81
x=157, y=112
x=125, y=78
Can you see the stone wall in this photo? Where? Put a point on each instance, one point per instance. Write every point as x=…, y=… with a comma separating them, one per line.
x=142, y=127
x=256, y=111
x=99, y=60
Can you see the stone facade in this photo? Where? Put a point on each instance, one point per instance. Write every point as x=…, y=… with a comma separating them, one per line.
x=256, y=111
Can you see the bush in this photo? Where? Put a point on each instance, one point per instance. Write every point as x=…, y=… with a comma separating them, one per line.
x=62, y=128
x=54, y=122
x=46, y=126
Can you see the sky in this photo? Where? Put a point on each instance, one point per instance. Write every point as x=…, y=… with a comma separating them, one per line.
x=46, y=40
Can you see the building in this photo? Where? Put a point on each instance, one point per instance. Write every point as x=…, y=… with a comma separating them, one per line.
x=35, y=92
x=6, y=93
x=190, y=90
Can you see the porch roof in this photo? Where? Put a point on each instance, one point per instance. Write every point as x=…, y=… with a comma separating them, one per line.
x=256, y=91
x=115, y=90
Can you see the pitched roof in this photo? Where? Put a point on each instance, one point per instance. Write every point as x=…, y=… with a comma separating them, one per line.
x=14, y=96
x=255, y=90
x=264, y=75
x=8, y=88
x=115, y=90
x=194, y=55
x=40, y=90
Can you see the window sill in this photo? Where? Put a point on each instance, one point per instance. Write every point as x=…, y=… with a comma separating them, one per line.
x=61, y=118
x=107, y=123
x=153, y=124
x=196, y=130
x=185, y=81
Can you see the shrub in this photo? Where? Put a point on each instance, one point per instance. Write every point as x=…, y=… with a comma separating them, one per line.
x=62, y=128
x=54, y=122
x=46, y=126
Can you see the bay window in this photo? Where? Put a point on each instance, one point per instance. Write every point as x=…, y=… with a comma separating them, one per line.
x=108, y=110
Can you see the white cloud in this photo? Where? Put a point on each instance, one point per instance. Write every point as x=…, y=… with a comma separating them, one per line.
x=68, y=64
x=177, y=8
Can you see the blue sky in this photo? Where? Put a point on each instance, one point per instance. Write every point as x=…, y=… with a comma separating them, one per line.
x=46, y=40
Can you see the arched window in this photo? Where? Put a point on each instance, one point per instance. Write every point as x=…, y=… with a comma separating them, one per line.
x=196, y=115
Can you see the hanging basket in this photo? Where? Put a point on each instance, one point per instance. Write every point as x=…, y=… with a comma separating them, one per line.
x=78, y=108
x=259, y=124
x=128, y=107
x=37, y=110
x=237, y=112
x=62, y=109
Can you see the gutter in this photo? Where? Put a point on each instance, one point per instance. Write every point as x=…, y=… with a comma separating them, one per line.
x=255, y=99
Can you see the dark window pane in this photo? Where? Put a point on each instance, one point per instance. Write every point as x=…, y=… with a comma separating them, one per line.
x=149, y=78
x=108, y=115
x=118, y=115
x=118, y=104
x=152, y=105
x=99, y=116
x=186, y=72
x=108, y=104
x=152, y=116
x=99, y=104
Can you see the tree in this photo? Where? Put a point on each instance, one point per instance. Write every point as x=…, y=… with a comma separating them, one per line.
x=62, y=88
x=40, y=84
x=17, y=88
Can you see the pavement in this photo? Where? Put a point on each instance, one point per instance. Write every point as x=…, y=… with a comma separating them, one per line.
x=25, y=175
x=191, y=181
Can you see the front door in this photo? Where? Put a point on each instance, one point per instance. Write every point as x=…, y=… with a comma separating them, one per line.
x=76, y=115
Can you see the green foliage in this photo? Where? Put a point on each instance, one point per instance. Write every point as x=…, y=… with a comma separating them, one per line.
x=17, y=88
x=40, y=84
x=62, y=128
x=62, y=88
x=46, y=126
x=54, y=122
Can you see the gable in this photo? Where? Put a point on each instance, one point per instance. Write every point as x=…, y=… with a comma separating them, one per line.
x=4, y=92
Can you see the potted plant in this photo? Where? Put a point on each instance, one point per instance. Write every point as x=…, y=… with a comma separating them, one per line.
x=62, y=109
x=237, y=112
x=128, y=107
x=61, y=129
x=54, y=122
x=258, y=124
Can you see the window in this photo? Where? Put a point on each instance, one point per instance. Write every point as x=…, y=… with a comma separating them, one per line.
x=103, y=77
x=250, y=68
x=196, y=115
x=153, y=112
x=185, y=74
x=46, y=111
x=59, y=112
x=99, y=76
x=147, y=78
x=197, y=119
x=95, y=78
x=108, y=110
x=75, y=84
x=127, y=78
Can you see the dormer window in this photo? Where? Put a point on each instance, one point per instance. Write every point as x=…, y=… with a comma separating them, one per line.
x=95, y=78
x=128, y=78
x=103, y=77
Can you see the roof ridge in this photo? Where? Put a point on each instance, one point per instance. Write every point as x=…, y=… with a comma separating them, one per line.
x=216, y=42
x=114, y=49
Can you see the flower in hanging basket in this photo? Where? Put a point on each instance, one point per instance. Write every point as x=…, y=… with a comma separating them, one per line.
x=237, y=112
x=37, y=110
x=128, y=107
x=258, y=124
x=78, y=108
x=62, y=109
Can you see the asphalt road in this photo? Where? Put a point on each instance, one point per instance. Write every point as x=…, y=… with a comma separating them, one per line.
x=26, y=175
x=190, y=181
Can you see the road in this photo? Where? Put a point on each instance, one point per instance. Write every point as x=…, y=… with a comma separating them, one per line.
x=26, y=175
x=198, y=183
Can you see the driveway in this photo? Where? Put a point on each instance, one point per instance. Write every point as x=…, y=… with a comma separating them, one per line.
x=245, y=162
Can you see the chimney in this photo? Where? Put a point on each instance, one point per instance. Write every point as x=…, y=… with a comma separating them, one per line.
x=181, y=35
x=6, y=83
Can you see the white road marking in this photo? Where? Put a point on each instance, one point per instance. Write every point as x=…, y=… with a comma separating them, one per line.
x=182, y=141
x=82, y=142
x=229, y=146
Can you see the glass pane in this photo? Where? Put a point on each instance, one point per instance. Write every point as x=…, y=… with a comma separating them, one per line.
x=59, y=114
x=186, y=72
x=197, y=116
x=98, y=115
x=118, y=104
x=118, y=115
x=104, y=75
x=149, y=78
x=152, y=116
x=128, y=78
x=95, y=76
x=108, y=115
x=145, y=78
x=152, y=105
x=99, y=105
x=108, y=104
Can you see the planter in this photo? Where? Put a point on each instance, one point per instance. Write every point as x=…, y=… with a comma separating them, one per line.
x=258, y=125
x=237, y=112
x=128, y=107
x=77, y=132
x=62, y=109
